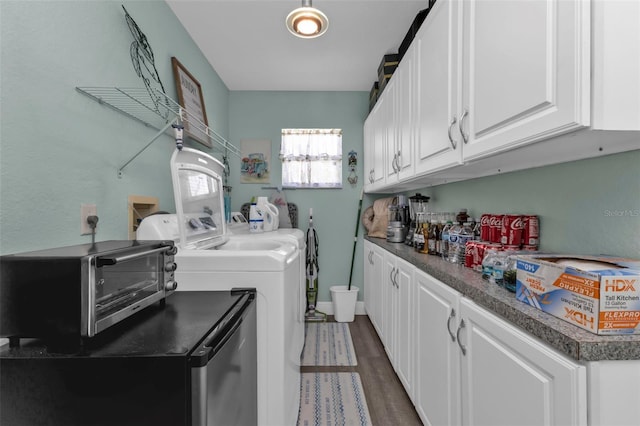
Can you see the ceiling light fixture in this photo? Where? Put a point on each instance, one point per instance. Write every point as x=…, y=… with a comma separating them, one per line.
x=307, y=21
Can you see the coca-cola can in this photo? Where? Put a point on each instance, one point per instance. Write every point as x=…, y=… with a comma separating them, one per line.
x=479, y=255
x=469, y=253
x=531, y=230
x=511, y=233
x=485, y=234
x=495, y=228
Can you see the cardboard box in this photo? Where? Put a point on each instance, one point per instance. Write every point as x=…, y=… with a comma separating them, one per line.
x=600, y=294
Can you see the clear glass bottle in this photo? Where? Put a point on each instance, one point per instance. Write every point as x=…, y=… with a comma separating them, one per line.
x=432, y=240
x=446, y=240
x=487, y=264
x=418, y=236
x=510, y=272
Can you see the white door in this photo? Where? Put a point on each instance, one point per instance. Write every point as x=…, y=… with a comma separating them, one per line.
x=509, y=378
x=437, y=367
x=526, y=72
x=438, y=144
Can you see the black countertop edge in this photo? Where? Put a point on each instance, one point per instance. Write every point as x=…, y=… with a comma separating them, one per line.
x=568, y=339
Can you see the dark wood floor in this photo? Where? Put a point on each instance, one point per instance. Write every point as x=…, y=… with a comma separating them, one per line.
x=389, y=404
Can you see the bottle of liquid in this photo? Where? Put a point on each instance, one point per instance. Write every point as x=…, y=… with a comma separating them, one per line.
x=487, y=264
x=462, y=216
x=459, y=235
x=432, y=240
x=418, y=236
x=446, y=240
x=476, y=229
x=454, y=233
x=499, y=266
x=441, y=224
x=256, y=221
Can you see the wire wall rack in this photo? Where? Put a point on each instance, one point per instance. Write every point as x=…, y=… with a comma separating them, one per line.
x=158, y=111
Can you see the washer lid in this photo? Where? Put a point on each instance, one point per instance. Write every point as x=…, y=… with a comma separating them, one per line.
x=198, y=192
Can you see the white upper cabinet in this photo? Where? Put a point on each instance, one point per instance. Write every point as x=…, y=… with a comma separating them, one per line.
x=438, y=144
x=375, y=130
x=509, y=85
x=526, y=72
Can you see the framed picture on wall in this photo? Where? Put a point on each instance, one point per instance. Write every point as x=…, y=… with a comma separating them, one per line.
x=190, y=98
x=254, y=164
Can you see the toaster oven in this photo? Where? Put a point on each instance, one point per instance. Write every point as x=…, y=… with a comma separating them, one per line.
x=79, y=291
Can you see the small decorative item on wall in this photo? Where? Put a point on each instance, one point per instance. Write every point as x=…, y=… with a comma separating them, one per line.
x=190, y=98
x=353, y=164
x=254, y=166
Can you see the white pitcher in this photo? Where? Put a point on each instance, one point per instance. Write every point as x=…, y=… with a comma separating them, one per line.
x=270, y=212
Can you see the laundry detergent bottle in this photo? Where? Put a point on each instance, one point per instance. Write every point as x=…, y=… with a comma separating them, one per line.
x=270, y=214
x=256, y=220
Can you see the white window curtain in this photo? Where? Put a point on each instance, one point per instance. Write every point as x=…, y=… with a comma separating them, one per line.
x=311, y=158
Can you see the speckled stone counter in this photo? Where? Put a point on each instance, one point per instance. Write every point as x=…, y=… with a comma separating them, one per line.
x=566, y=338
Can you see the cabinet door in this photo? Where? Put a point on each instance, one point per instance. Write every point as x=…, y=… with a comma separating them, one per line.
x=373, y=279
x=390, y=131
x=526, y=72
x=375, y=139
x=437, y=368
x=404, y=323
x=438, y=143
x=368, y=133
x=406, y=106
x=509, y=378
x=388, y=304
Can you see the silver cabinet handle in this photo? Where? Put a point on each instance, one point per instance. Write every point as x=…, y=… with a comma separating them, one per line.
x=465, y=138
x=391, y=275
x=393, y=164
x=395, y=278
x=371, y=257
x=453, y=122
x=451, y=315
x=460, y=327
x=398, y=164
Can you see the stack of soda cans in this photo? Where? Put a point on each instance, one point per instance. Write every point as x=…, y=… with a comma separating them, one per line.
x=508, y=232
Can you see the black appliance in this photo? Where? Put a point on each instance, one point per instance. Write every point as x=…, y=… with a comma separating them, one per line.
x=191, y=362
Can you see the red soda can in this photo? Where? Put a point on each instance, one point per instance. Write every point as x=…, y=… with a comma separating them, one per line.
x=511, y=233
x=495, y=228
x=485, y=233
x=469, y=253
x=531, y=230
x=479, y=255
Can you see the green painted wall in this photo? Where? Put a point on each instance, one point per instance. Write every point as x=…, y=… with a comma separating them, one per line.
x=262, y=115
x=587, y=207
x=59, y=148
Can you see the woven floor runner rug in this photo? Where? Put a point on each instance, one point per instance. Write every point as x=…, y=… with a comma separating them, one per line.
x=332, y=399
x=328, y=344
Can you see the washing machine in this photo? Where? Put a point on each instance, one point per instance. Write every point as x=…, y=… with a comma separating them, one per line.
x=209, y=259
x=238, y=229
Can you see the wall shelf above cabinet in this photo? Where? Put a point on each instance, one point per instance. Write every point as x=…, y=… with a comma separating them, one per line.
x=155, y=110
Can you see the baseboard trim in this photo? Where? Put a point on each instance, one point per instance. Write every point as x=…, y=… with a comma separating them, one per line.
x=327, y=308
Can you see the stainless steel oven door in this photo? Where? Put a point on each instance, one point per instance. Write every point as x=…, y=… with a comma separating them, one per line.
x=120, y=285
x=224, y=388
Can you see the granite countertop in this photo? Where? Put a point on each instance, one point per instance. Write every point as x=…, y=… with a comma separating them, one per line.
x=573, y=341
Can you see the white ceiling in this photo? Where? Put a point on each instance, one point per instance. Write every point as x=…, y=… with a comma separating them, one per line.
x=248, y=45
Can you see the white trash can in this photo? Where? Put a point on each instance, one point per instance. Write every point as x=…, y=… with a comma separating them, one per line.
x=344, y=302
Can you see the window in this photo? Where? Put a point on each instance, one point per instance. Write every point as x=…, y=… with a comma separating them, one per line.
x=311, y=158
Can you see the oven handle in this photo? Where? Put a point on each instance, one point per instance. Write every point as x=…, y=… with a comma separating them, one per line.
x=108, y=261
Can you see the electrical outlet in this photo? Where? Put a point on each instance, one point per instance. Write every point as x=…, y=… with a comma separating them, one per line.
x=86, y=210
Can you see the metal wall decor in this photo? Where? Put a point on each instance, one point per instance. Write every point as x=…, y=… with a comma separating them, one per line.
x=353, y=164
x=144, y=64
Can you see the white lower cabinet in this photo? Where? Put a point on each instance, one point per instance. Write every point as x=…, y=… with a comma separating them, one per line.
x=398, y=319
x=373, y=279
x=473, y=368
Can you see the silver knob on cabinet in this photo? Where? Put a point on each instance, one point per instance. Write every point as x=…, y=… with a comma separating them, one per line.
x=170, y=267
x=172, y=250
x=170, y=285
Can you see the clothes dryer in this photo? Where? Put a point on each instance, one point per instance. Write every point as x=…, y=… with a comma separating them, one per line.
x=208, y=259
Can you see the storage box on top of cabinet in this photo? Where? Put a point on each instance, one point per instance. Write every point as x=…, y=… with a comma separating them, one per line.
x=373, y=95
x=413, y=30
x=386, y=69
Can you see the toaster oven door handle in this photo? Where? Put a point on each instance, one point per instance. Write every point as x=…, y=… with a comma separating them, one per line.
x=107, y=261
